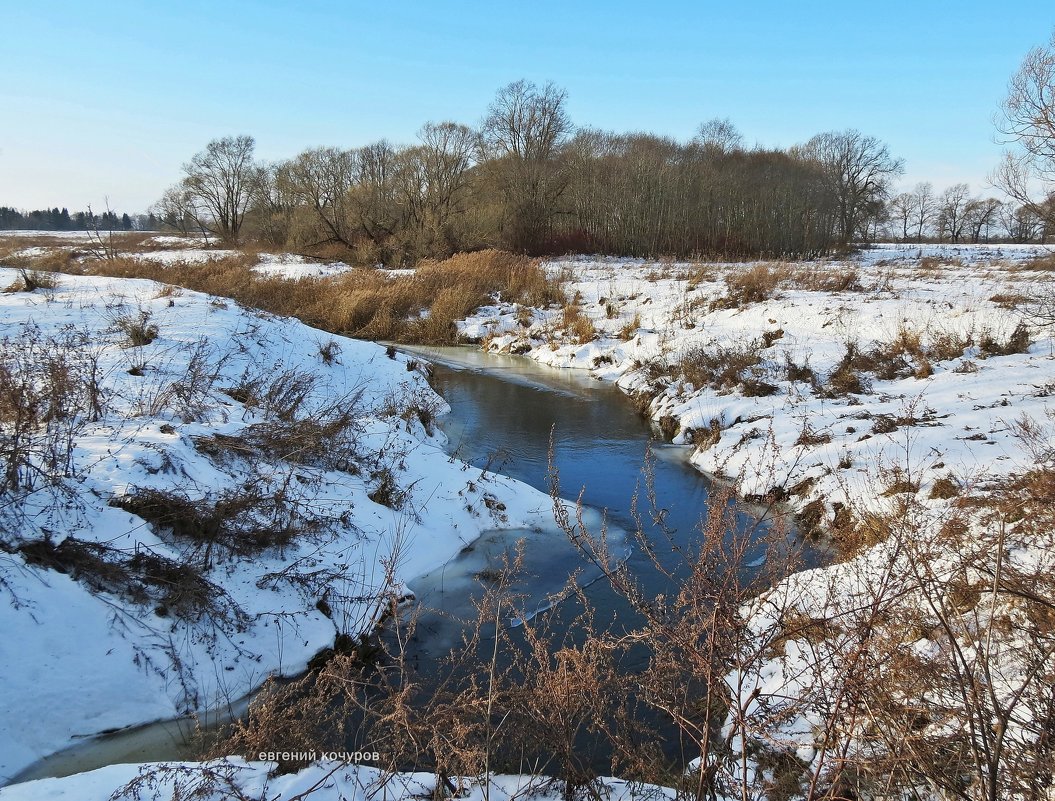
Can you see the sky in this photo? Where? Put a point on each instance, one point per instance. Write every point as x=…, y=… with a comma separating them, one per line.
x=104, y=102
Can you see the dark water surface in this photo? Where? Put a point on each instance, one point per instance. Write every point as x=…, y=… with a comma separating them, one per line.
x=503, y=410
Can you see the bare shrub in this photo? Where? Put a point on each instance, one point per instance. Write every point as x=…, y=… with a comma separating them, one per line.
x=723, y=367
x=846, y=378
x=50, y=388
x=32, y=280
x=141, y=577
x=241, y=521
x=1018, y=341
x=137, y=328
x=753, y=285
x=798, y=372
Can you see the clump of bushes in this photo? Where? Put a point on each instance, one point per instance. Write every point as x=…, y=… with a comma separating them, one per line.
x=726, y=367
x=753, y=285
x=1018, y=341
x=50, y=387
x=32, y=280
x=846, y=378
x=176, y=589
x=137, y=328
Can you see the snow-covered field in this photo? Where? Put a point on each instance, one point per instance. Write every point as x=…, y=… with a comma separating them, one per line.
x=286, y=464
x=892, y=400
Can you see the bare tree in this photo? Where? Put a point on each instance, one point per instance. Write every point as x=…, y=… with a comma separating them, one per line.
x=923, y=202
x=322, y=178
x=434, y=180
x=1027, y=117
x=981, y=216
x=221, y=179
x=859, y=169
x=719, y=136
x=1020, y=223
x=952, y=212
x=523, y=133
x=901, y=210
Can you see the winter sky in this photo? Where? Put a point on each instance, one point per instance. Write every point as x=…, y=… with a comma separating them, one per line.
x=108, y=99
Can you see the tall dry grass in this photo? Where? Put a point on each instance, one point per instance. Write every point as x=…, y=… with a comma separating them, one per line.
x=365, y=303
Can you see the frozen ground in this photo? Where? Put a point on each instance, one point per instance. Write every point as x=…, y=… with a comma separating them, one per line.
x=245, y=425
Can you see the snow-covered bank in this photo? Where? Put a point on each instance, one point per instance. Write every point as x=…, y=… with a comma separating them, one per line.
x=902, y=402
x=323, y=781
x=803, y=384
x=210, y=494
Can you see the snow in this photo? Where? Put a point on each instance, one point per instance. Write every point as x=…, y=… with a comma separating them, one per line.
x=74, y=671
x=190, y=255
x=293, y=267
x=323, y=781
x=77, y=662
x=961, y=417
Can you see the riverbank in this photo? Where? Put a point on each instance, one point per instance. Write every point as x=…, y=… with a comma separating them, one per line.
x=819, y=384
x=896, y=403
x=201, y=496
x=900, y=403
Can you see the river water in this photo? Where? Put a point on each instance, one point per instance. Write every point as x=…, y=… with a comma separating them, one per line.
x=505, y=411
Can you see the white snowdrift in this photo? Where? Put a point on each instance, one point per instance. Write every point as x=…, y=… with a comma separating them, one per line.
x=76, y=662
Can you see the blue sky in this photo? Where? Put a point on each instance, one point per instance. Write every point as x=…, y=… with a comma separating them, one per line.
x=108, y=99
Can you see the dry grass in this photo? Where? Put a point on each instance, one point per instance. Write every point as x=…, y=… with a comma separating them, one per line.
x=629, y=331
x=368, y=303
x=819, y=279
x=726, y=367
x=753, y=285
x=1041, y=264
x=577, y=325
x=1018, y=341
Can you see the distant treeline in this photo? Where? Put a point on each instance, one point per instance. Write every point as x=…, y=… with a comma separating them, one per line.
x=61, y=220
x=527, y=180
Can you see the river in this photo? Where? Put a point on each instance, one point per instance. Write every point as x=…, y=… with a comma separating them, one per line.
x=504, y=410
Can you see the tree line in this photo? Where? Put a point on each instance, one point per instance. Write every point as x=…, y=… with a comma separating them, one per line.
x=56, y=219
x=527, y=180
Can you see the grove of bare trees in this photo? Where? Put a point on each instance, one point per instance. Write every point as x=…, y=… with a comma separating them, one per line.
x=1027, y=119
x=528, y=180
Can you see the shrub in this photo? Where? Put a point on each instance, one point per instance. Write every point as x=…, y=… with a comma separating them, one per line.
x=846, y=378
x=50, y=388
x=945, y=487
x=808, y=436
x=1018, y=341
x=32, y=280
x=722, y=367
x=138, y=328
x=629, y=330
x=752, y=285
x=240, y=521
